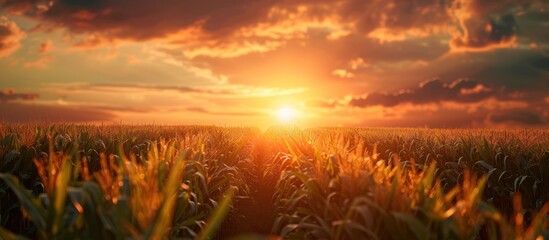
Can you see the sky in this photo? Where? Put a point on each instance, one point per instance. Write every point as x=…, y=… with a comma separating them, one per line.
x=414, y=63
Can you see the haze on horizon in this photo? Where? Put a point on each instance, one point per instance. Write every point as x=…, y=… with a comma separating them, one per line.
x=433, y=63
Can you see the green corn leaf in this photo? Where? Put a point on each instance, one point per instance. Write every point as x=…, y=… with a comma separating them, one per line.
x=29, y=203
x=164, y=216
x=288, y=228
x=218, y=215
x=418, y=228
x=7, y=235
x=544, y=165
x=60, y=194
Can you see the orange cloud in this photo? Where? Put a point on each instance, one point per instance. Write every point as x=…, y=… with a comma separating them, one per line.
x=211, y=30
x=10, y=37
x=10, y=95
x=221, y=113
x=281, y=24
x=218, y=91
x=431, y=91
x=342, y=73
x=39, y=63
x=231, y=49
x=133, y=60
x=94, y=40
x=357, y=63
x=45, y=47
x=478, y=31
x=107, y=56
x=480, y=88
x=84, y=15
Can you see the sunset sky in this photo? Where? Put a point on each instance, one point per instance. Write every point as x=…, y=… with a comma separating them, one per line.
x=421, y=63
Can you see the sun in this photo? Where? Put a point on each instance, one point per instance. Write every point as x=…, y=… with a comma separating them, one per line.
x=286, y=114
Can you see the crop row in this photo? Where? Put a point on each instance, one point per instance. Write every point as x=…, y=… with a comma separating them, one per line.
x=110, y=182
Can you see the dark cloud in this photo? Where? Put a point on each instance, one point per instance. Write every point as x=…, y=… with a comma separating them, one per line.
x=518, y=116
x=147, y=19
x=459, y=118
x=371, y=51
x=486, y=25
x=516, y=72
x=12, y=112
x=18, y=6
x=442, y=118
x=484, y=35
x=530, y=24
x=541, y=63
x=432, y=91
x=394, y=15
x=473, y=24
x=502, y=29
x=10, y=95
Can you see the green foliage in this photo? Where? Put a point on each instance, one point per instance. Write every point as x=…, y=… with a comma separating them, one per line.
x=88, y=188
x=150, y=182
x=402, y=184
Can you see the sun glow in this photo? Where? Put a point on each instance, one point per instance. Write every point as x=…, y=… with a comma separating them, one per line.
x=286, y=114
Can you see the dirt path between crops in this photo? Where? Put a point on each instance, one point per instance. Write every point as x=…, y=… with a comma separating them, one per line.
x=254, y=215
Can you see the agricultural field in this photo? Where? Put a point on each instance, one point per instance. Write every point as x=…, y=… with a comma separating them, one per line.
x=67, y=181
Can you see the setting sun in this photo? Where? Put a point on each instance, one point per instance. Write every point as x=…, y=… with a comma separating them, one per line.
x=286, y=114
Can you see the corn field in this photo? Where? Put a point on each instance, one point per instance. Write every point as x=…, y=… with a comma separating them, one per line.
x=65, y=181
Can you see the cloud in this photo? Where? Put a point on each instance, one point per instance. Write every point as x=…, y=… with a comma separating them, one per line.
x=231, y=49
x=146, y=19
x=7, y=95
x=472, y=25
x=439, y=118
x=390, y=17
x=220, y=113
x=132, y=60
x=225, y=29
x=19, y=7
x=39, y=63
x=45, y=47
x=432, y=91
x=518, y=116
x=342, y=73
x=479, y=35
x=106, y=56
x=485, y=113
x=524, y=73
x=541, y=63
x=124, y=109
x=10, y=37
x=227, y=91
x=461, y=103
x=457, y=118
x=13, y=112
x=92, y=41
